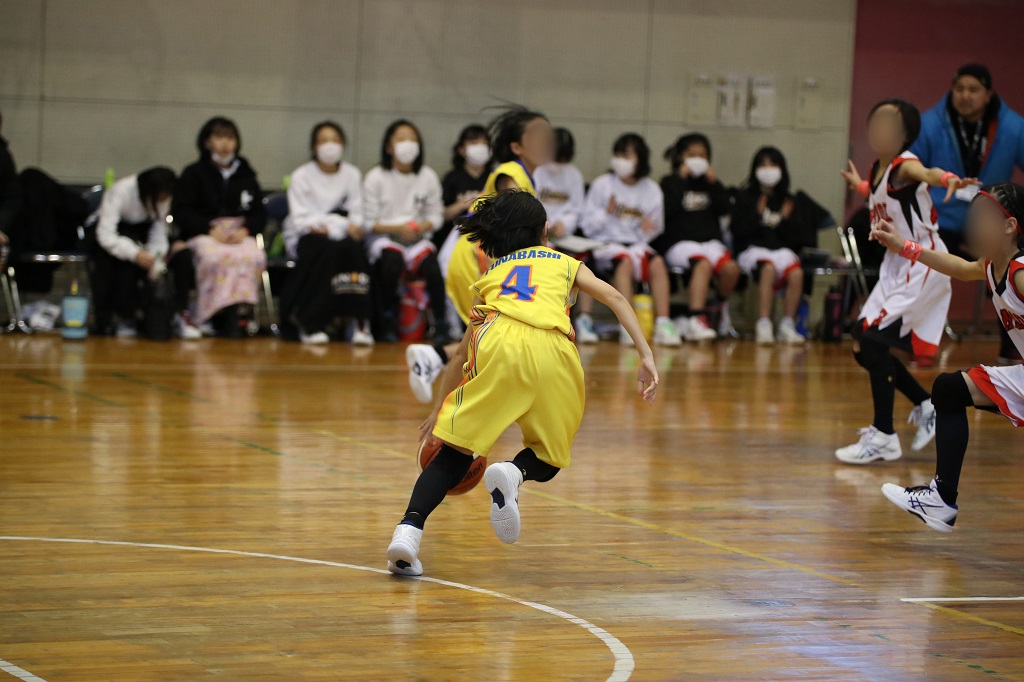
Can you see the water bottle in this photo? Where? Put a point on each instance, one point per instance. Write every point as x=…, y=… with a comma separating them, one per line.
x=75, y=309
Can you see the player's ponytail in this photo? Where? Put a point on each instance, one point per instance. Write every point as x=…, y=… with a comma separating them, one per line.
x=505, y=222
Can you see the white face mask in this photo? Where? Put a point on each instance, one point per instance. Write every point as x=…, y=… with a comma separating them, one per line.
x=224, y=160
x=698, y=165
x=768, y=176
x=622, y=167
x=406, y=151
x=329, y=153
x=478, y=154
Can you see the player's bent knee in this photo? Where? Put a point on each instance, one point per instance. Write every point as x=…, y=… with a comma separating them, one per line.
x=950, y=392
x=452, y=462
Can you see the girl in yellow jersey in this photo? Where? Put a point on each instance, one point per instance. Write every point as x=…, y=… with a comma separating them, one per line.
x=521, y=366
x=521, y=141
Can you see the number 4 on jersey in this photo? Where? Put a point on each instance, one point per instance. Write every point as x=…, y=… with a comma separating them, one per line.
x=518, y=283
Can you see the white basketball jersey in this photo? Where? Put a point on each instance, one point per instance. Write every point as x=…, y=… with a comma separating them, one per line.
x=1008, y=301
x=909, y=207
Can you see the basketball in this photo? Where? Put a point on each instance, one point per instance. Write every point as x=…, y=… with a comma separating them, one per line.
x=428, y=451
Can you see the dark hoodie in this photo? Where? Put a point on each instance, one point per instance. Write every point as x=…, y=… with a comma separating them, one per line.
x=693, y=209
x=203, y=194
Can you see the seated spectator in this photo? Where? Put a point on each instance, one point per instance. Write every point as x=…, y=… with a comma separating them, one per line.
x=770, y=227
x=560, y=187
x=471, y=161
x=624, y=208
x=217, y=208
x=695, y=202
x=324, y=234
x=10, y=192
x=131, y=235
x=401, y=209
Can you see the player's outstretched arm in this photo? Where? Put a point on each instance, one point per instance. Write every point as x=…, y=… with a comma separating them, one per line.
x=936, y=177
x=450, y=379
x=647, y=375
x=946, y=263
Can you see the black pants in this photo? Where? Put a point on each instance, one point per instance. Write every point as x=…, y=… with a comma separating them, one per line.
x=331, y=279
x=119, y=287
x=387, y=273
x=183, y=270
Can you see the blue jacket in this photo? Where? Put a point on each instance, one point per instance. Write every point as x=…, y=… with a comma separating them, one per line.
x=937, y=147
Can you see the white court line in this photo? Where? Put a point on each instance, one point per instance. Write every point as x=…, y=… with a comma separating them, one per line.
x=621, y=672
x=20, y=673
x=955, y=600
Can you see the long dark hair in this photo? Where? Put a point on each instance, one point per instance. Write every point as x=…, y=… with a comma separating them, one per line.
x=775, y=156
x=908, y=113
x=218, y=125
x=153, y=182
x=336, y=127
x=565, y=145
x=474, y=131
x=674, y=153
x=506, y=222
x=386, y=161
x=508, y=127
x=639, y=146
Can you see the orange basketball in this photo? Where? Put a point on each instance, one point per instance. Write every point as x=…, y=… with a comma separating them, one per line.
x=428, y=451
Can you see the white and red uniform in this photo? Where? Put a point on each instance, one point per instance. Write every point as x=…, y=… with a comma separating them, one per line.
x=911, y=294
x=1005, y=385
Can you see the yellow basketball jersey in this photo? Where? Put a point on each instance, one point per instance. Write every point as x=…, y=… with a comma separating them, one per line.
x=533, y=286
x=467, y=262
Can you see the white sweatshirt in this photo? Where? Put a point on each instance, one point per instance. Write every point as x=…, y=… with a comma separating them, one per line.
x=122, y=204
x=560, y=189
x=635, y=202
x=314, y=194
x=393, y=198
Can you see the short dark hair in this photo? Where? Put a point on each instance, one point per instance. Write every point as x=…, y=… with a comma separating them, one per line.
x=565, y=145
x=336, y=127
x=674, y=154
x=506, y=222
x=908, y=113
x=385, y=158
x=975, y=70
x=775, y=156
x=1010, y=196
x=153, y=182
x=634, y=141
x=218, y=125
x=474, y=131
x=508, y=127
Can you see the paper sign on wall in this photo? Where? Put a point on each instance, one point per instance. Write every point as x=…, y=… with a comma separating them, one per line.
x=731, y=92
x=701, y=103
x=808, y=105
x=761, y=111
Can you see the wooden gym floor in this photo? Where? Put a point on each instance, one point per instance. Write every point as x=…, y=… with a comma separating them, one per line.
x=221, y=509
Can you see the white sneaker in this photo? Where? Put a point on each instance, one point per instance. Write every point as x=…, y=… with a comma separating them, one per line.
x=924, y=502
x=503, y=480
x=665, y=334
x=788, y=333
x=362, y=337
x=184, y=329
x=763, y=333
x=314, y=339
x=624, y=338
x=873, y=445
x=696, y=329
x=126, y=330
x=404, y=551
x=585, y=329
x=425, y=366
x=924, y=416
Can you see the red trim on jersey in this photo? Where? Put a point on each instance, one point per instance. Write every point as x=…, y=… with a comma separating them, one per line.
x=922, y=347
x=979, y=375
x=1014, y=267
x=892, y=169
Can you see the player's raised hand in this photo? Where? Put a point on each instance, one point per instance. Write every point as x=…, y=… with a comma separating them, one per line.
x=954, y=183
x=885, y=234
x=851, y=175
x=647, y=380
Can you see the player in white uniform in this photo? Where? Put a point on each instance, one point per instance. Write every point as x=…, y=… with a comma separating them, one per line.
x=907, y=308
x=994, y=232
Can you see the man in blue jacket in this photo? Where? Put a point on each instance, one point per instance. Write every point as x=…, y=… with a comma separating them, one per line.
x=973, y=133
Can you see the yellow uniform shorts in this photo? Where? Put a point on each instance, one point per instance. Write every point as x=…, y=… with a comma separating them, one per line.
x=516, y=374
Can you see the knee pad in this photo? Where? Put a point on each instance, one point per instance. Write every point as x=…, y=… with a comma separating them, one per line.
x=950, y=393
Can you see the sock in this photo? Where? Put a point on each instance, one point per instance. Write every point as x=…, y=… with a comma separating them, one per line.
x=533, y=468
x=439, y=349
x=442, y=474
x=951, y=398
x=786, y=320
x=662, y=319
x=702, y=314
x=906, y=384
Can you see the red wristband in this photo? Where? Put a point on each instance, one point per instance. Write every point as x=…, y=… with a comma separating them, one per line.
x=413, y=225
x=944, y=178
x=864, y=189
x=911, y=251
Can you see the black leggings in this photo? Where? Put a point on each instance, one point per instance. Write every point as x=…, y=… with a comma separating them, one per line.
x=951, y=398
x=888, y=374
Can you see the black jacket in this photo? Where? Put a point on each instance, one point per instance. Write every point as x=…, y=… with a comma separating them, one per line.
x=769, y=229
x=10, y=191
x=693, y=208
x=202, y=194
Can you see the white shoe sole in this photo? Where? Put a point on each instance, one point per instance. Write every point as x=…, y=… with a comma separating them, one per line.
x=504, y=520
x=401, y=552
x=873, y=458
x=934, y=524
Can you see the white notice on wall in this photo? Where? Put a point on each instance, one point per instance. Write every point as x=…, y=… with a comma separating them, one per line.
x=731, y=93
x=761, y=111
x=808, y=105
x=701, y=103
